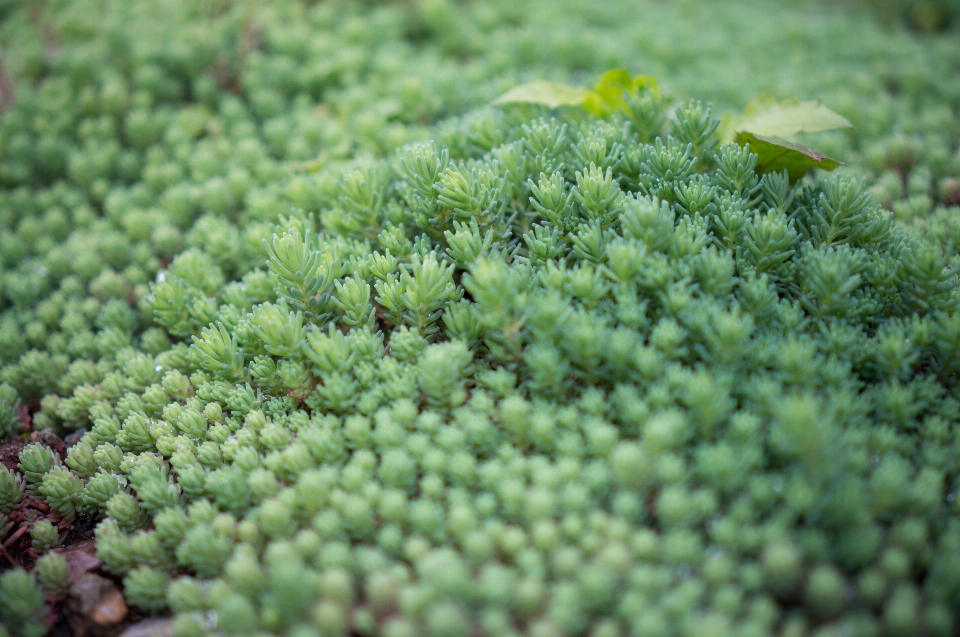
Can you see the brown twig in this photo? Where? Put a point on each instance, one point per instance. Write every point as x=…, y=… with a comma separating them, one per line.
x=16, y=536
x=62, y=522
x=3, y=551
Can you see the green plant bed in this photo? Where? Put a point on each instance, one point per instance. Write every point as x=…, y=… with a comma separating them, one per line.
x=550, y=373
x=546, y=377
x=131, y=138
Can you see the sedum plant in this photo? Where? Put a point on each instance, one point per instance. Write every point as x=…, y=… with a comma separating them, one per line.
x=551, y=373
x=22, y=611
x=133, y=135
x=53, y=572
x=668, y=396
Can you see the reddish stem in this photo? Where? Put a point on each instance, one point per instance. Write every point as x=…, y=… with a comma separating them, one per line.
x=16, y=536
x=3, y=551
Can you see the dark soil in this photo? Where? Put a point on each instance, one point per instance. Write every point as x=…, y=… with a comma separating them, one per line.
x=10, y=452
x=82, y=530
x=48, y=438
x=61, y=628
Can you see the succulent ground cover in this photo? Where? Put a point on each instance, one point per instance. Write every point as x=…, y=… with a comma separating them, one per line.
x=344, y=370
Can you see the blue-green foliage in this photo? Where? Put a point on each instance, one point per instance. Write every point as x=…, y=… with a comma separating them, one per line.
x=687, y=400
x=137, y=140
x=544, y=374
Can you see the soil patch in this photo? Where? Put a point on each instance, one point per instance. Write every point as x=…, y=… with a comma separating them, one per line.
x=83, y=528
x=10, y=453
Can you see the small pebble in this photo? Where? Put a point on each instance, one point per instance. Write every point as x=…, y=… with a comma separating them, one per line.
x=95, y=607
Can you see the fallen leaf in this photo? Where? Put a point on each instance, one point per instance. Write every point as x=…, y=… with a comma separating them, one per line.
x=774, y=154
x=550, y=94
x=607, y=94
x=605, y=98
x=771, y=118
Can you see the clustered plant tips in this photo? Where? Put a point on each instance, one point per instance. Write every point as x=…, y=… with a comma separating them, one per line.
x=560, y=371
